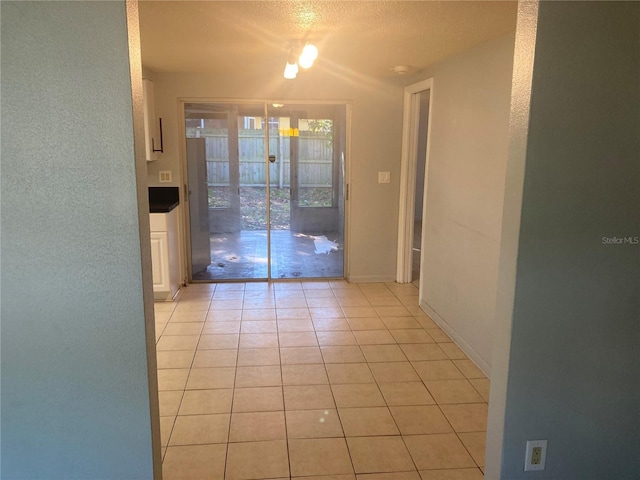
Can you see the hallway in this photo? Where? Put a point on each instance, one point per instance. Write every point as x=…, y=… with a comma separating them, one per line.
x=317, y=380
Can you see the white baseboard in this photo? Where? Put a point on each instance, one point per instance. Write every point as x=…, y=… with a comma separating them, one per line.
x=464, y=346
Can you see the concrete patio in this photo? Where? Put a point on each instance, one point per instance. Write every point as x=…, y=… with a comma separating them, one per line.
x=243, y=256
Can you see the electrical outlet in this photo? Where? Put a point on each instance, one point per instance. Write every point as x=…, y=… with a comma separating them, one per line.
x=165, y=176
x=384, y=177
x=536, y=455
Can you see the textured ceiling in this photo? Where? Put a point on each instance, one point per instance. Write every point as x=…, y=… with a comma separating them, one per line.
x=252, y=37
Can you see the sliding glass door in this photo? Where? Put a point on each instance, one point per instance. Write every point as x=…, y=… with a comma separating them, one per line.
x=266, y=190
x=310, y=139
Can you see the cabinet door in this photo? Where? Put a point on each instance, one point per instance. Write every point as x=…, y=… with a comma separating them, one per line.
x=160, y=261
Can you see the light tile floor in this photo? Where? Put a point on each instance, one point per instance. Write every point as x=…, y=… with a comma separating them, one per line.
x=321, y=380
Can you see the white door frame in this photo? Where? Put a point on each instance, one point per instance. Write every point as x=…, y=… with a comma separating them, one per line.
x=408, y=167
x=185, y=236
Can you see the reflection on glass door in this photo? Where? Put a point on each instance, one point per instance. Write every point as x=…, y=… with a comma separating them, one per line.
x=258, y=212
x=227, y=191
x=310, y=149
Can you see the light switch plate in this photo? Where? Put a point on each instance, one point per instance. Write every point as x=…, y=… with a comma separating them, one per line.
x=384, y=177
x=164, y=176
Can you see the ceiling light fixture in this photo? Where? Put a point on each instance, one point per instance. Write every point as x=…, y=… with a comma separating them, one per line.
x=304, y=59
x=290, y=70
x=308, y=56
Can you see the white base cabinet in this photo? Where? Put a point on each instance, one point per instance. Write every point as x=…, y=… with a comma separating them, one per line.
x=164, y=254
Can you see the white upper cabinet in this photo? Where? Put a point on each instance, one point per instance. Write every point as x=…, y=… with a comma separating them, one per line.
x=151, y=138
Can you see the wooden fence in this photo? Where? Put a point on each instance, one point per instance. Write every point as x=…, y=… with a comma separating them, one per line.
x=314, y=166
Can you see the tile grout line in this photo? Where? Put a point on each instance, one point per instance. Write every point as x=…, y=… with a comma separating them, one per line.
x=284, y=405
x=233, y=395
x=333, y=397
x=184, y=390
x=402, y=437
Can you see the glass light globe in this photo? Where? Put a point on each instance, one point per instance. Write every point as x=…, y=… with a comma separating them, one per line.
x=308, y=55
x=290, y=71
x=310, y=50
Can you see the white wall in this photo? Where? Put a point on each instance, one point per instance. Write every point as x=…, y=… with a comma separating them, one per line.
x=469, y=132
x=569, y=371
x=75, y=384
x=376, y=125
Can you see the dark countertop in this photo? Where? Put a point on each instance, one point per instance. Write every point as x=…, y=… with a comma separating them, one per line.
x=162, y=207
x=163, y=199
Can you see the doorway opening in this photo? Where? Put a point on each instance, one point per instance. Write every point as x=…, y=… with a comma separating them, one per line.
x=421, y=163
x=265, y=190
x=413, y=179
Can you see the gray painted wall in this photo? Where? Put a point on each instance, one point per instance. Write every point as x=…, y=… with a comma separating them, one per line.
x=574, y=368
x=75, y=395
x=463, y=211
x=376, y=133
